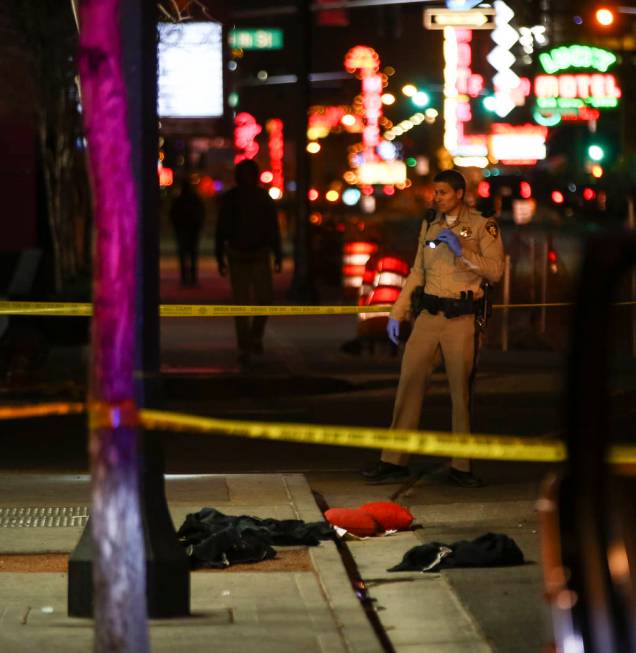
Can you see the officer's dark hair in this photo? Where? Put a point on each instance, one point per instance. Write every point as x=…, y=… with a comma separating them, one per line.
x=246, y=172
x=451, y=177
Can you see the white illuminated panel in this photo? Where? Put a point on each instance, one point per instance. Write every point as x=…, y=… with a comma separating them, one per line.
x=521, y=144
x=190, y=70
x=470, y=161
x=514, y=147
x=371, y=173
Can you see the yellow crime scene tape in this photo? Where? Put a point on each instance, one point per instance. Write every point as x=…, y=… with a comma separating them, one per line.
x=70, y=309
x=426, y=443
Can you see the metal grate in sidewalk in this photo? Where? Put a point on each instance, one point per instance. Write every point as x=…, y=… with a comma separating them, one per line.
x=44, y=517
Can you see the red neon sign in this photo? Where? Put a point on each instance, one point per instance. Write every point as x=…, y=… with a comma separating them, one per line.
x=460, y=85
x=366, y=60
x=468, y=83
x=594, y=87
x=246, y=129
x=276, y=146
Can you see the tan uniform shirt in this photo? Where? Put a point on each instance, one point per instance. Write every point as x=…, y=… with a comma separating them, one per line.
x=446, y=275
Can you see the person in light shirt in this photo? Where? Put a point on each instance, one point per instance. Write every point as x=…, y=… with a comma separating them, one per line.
x=458, y=251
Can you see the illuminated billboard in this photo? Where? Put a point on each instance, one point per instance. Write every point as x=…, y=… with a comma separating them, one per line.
x=190, y=70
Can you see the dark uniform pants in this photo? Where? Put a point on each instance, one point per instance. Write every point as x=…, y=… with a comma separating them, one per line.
x=251, y=281
x=455, y=338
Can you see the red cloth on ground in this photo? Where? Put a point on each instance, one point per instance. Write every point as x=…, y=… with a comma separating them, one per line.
x=391, y=516
x=354, y=520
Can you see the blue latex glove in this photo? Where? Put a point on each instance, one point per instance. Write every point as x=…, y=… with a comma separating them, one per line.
x=393, y=330
x=448, y=237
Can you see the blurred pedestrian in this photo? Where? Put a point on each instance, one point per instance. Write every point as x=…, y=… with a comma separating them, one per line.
x=247, y=235
x=187, y=215
x=458, y=251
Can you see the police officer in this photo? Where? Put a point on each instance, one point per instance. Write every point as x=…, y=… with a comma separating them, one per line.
x=458, y=250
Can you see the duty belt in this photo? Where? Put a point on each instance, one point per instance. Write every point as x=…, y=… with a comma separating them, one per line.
x=465, y=305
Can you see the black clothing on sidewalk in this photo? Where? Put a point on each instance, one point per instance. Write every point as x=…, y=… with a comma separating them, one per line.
x=489, y=550
x=213, y=539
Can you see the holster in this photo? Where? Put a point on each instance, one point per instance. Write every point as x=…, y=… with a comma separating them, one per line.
x=485, y=311
x=450, y=308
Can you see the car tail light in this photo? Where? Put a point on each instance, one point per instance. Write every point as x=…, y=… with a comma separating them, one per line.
x=525, y=190
x=589, y=194
x=483, y=189
x=557, y=197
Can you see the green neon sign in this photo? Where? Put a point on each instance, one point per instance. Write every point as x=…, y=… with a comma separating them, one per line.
x=575, y=103
x=566, y=57
x=256, y=39
x=546, y=121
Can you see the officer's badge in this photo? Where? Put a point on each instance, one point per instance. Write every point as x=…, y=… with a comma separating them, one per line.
x=466, y=231
x=492, y=228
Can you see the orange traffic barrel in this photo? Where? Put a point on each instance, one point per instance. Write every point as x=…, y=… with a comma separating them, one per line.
x=355, y=256
x=389, y=277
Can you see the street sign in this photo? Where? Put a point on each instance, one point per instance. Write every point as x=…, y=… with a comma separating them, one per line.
x=256, y=39
x=460, y=5
x=483, y=18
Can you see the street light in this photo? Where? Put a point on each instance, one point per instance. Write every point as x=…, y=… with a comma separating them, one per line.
x=421, y=99
x=605, y=16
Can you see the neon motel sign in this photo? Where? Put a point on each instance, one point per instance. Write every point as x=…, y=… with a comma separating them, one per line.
x=576, y=83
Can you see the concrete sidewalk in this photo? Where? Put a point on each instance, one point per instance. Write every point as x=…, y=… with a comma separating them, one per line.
x=309, y=607
x=306, y=603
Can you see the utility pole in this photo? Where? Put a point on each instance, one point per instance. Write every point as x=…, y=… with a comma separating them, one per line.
x=302, y=289
x=118, y=569
x=167, y=568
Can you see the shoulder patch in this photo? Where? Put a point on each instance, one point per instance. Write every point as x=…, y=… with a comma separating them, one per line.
x=492, y=228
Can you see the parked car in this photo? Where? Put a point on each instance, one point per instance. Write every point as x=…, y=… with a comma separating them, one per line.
x=506, y=196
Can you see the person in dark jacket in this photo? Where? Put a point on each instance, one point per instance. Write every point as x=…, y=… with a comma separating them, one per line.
x=187, y=215
x=247, y=235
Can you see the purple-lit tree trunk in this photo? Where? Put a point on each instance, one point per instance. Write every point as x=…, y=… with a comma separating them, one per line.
x=118, y=564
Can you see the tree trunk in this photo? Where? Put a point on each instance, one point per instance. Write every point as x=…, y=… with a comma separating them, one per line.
x=119, y=565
